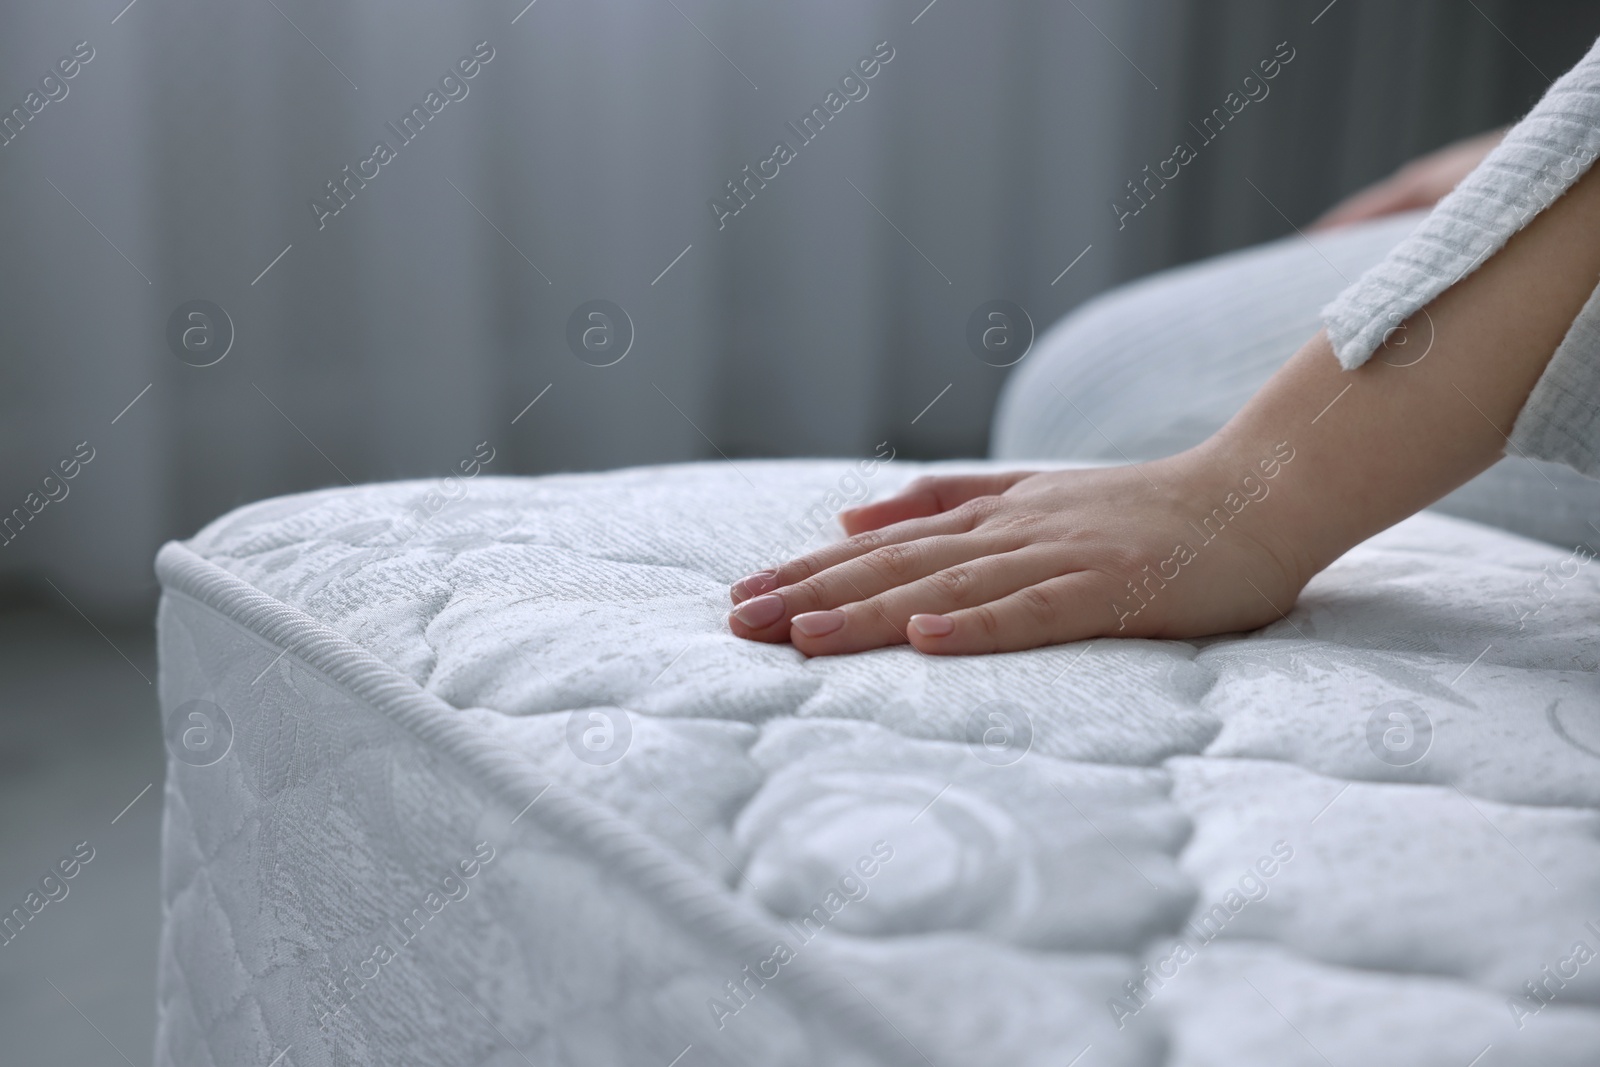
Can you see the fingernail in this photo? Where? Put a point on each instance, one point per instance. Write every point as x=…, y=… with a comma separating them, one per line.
x=933, y=625
x=818, y=623
x=755, y=584
x=762, y=611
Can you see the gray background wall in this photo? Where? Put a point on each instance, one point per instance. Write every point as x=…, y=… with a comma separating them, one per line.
x=820, y=321
x=409, y=329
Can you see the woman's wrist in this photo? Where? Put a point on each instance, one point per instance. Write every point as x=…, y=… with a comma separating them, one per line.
x=1347, y=454
x=1377, y=444
x=1256, y=477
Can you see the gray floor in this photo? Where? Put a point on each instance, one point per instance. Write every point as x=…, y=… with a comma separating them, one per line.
x=79, y=739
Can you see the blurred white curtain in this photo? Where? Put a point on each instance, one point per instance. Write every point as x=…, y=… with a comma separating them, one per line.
x=425, y=316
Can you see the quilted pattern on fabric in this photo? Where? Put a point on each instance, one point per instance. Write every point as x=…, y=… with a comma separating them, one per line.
x=1057, y=823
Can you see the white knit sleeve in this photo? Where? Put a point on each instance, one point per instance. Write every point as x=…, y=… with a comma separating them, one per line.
x=1561, y=420
x=1539, y=159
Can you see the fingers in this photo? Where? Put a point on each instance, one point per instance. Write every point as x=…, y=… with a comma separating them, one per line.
x=957, y=520
x=877, y=572
x=927, y=496
x=874, y=621
x=1403, y=192
x=1073, y=607
x=885, y=523
x=1371, y=203
x=1421, y=183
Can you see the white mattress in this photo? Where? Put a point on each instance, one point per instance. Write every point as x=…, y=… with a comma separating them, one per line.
x=399, y=693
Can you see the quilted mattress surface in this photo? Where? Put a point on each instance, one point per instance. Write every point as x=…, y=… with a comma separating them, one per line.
x=476, y=774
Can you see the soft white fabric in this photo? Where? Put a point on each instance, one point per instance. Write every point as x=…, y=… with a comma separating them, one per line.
x=1156, y=367
x=1561, y=420
x=1536, y=163
x=402, y=691
x=1539, y=158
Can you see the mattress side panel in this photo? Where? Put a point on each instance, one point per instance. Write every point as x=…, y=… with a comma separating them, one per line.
x=332, y=884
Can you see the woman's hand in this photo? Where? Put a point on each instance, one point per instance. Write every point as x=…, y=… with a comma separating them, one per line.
x=1222, y=537
x=1421, y=183
x=1182, y=547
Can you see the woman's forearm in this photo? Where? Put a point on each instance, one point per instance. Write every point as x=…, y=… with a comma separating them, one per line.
x=1222, y=537
x=1379, y=443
